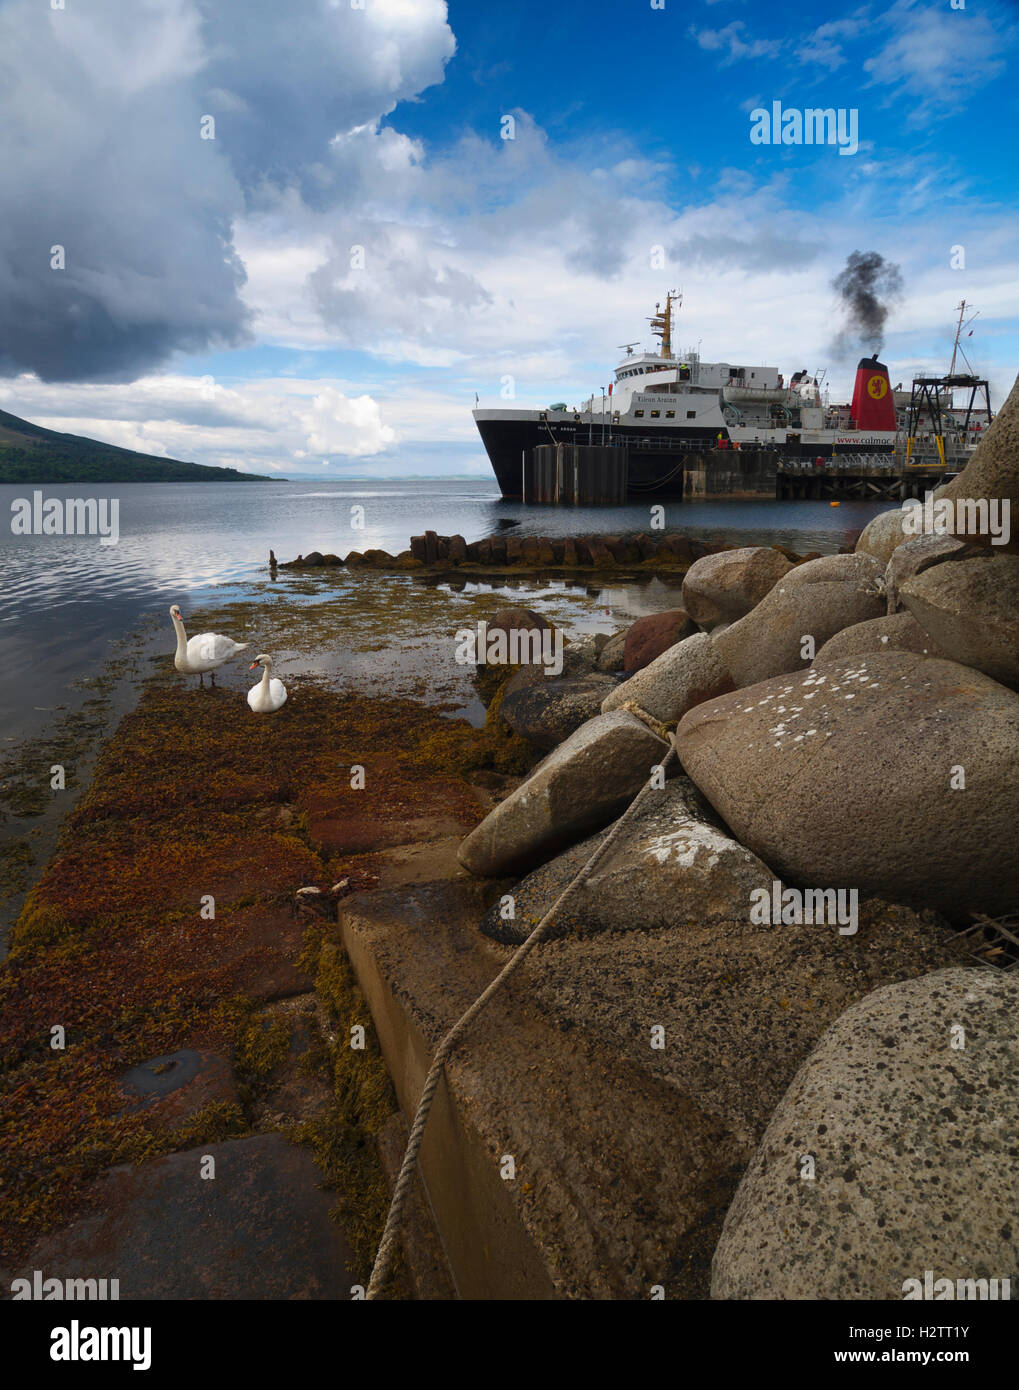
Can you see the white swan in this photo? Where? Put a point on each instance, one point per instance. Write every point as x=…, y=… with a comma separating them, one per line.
x=268, y=695
x=204, y=652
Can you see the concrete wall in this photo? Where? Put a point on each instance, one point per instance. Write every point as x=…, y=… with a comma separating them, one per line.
x=489, y=1253
x=733, y=473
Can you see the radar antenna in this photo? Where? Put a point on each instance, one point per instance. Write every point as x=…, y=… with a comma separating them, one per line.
x=661, y=322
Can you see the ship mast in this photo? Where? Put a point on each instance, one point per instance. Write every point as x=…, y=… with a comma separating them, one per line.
x=956, y=349
x=661, y=323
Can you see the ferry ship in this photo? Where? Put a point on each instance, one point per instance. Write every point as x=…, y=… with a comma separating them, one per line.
x=661, y=402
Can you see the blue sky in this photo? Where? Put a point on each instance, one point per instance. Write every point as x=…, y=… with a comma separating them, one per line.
x=209, y=308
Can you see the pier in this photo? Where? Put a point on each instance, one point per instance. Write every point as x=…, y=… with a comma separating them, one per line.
x=616, y=473
x=866, y=477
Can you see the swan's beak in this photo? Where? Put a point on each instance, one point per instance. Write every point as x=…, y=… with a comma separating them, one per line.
x=253, y=665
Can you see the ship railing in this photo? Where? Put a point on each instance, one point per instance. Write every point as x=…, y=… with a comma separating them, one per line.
x=629, y=441
x=697, y=446
x=649, y=442
x=706, y=444
x=860, y=462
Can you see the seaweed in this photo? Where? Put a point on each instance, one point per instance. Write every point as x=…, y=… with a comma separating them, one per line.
x=112, y=945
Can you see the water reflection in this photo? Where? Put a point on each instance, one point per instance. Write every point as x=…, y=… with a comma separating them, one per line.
x=64, y=600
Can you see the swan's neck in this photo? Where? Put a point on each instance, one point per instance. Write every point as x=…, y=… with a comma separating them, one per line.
x=265, y=675
x=182, y=637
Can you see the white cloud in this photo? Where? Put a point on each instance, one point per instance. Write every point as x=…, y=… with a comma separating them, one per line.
x=522, y=259
x=822, y=49
x=939, y=56
x=272, y=422
x=339, y=424
x=733, y=43
x=822, y=53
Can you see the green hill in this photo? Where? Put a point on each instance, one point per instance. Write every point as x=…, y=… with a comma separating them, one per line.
x=30, y=454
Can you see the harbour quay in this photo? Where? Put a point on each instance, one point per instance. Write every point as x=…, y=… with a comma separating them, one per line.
x=612, y=474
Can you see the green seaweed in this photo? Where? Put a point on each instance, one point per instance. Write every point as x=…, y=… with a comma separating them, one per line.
x=345, y=1139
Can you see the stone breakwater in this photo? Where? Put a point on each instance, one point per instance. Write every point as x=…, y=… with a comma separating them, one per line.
x=666, y=551
x=824, y=1088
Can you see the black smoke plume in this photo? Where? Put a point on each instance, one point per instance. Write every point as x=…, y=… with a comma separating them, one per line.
x=868, y=288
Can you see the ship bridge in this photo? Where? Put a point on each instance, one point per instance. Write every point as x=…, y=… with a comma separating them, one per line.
x=643, y=364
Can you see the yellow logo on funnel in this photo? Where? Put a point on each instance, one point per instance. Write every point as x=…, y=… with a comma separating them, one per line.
x=876, y=387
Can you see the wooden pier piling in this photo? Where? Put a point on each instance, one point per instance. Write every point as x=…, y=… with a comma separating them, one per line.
x=578, y=474
x=846, y=480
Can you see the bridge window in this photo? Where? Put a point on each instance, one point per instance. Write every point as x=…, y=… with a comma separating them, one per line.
x=655, y=414
x=670, y=415
x=639, y=414
x=691, y=415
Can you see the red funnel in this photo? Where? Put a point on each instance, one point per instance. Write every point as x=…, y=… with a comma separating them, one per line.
x=873, y=407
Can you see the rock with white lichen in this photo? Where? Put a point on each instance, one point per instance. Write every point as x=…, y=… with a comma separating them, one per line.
x=891, y=772
x=672, y=865
x=896, y=632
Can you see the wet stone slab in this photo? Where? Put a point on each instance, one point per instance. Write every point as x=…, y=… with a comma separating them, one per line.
x=181, y=1083
x=259, y=1229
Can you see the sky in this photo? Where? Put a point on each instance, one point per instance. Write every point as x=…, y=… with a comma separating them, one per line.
x=298, y=239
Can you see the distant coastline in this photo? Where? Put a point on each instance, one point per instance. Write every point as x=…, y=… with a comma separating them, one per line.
x=31, y=454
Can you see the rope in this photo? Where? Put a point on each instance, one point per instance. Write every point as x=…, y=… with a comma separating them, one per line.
x=656, y=482
x=391, y=1232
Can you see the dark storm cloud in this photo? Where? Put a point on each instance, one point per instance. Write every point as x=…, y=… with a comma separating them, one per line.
x=101, y=109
